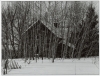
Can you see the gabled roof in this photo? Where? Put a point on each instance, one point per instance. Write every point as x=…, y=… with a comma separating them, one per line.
x=59, y=32
x=52, y=28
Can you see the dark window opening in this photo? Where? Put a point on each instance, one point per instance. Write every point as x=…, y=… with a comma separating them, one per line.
x=56, y=25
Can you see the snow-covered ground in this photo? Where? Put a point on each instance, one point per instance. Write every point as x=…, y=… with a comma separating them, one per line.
x=84, y=66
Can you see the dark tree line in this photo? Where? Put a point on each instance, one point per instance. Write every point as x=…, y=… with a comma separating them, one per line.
x=77, y=23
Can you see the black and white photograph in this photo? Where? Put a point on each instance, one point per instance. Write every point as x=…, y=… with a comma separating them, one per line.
x=50, y=37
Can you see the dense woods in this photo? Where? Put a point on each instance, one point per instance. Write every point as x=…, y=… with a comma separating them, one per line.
x=55, y=29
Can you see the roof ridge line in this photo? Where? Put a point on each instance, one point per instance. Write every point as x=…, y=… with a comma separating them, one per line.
x=29, y=27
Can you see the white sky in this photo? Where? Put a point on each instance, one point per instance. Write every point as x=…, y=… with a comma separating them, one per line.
x=95, y=3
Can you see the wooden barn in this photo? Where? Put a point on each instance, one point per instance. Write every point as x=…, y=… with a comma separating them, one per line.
x=43, y=39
